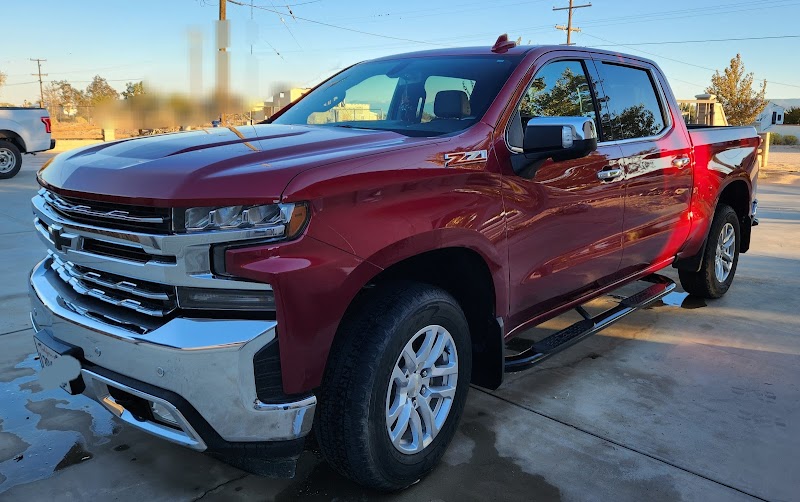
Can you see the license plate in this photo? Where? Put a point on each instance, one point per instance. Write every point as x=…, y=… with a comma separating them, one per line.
x=52, y=362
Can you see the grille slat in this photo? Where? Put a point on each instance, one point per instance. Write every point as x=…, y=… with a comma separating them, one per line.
x=112, y=215
x=150, y=299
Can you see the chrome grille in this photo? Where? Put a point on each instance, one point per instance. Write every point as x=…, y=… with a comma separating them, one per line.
x=145, y=298
x=105, y=214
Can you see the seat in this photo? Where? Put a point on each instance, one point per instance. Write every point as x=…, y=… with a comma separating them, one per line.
x=451, y=105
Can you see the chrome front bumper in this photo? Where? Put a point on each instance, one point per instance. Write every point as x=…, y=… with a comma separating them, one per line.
x=207, y=362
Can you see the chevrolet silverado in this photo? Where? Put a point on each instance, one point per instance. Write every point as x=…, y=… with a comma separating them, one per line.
x=352, y=265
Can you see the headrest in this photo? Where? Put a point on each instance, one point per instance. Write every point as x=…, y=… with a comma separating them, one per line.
x=451, y=105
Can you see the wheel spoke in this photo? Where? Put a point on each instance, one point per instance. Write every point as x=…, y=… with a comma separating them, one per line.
x=416, y=430
x=427, y=344
x=436, y=351
x=443, y=391
x=402, y=423
x=396, y=408
x=410, y=358
x=447, y=369
x=426, y=413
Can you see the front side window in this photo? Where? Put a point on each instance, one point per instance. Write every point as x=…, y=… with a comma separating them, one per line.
x=559, y=89
x=425, y=96
x=633, y=109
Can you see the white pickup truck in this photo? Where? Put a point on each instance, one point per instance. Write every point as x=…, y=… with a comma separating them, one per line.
x=22, y=130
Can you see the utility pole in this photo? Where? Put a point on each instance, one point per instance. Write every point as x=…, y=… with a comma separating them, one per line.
x=40, y=74
x=223, y=65
x=568, y=28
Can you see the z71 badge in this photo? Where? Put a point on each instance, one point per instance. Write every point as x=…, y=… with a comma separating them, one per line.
x=461, y=158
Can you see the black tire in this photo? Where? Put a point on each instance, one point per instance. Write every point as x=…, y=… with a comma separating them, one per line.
x=705, y=283
x=10, y=159
x=351, y=423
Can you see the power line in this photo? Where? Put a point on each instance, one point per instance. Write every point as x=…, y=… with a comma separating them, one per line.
x=335, y=26
x=677, y=60
x=41, y=89
x=702, y=41
x=568, y=28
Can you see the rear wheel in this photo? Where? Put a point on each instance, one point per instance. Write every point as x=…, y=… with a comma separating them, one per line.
x=395, y=386
x=10, y=159
x=720, y=259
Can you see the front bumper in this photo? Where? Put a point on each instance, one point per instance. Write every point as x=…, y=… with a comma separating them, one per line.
x=200, y=370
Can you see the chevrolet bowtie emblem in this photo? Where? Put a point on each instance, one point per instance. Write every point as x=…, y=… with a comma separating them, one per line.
x=60, y=240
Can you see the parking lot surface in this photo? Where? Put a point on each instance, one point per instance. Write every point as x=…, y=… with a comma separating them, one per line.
x=687, y=400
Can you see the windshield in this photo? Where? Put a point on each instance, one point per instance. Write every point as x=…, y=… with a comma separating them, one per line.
x=415, y=96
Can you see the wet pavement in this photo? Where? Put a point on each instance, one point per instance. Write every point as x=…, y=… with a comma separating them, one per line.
x=685, y=400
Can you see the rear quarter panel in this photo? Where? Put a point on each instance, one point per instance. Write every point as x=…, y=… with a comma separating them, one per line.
x=722, y=155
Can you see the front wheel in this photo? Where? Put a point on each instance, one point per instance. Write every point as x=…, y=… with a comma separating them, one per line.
x=395, y=386
x=10, y=159
x=720, y=259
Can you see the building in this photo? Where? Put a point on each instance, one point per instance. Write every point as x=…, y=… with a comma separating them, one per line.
x=772, y=115
x=282, y=98
x=344, y=112
x=703, y=110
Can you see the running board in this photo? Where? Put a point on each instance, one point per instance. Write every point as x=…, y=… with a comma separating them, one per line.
x=571, y=335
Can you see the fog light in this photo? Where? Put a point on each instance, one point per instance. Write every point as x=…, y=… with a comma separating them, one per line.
x=226, y=299
x=162, y=414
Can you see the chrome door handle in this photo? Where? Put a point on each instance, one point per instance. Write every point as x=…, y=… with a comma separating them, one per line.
x=610, y=174
x=681, y=162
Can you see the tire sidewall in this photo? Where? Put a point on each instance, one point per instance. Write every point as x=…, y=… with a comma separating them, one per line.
x=727, y=215
x=4, y=144
x=395, y=464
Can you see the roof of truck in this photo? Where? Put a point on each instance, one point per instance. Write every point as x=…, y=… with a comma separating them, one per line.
x=521, y=50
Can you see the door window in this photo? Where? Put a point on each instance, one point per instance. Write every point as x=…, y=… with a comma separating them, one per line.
x=559, y=89
x=633, y=108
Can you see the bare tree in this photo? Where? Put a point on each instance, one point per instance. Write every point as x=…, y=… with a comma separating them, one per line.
x=734, y=89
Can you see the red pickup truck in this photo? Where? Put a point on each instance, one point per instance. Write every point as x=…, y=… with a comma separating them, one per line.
x=353, y=264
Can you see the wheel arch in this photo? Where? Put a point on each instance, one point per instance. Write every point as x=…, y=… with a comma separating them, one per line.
x=736, y=194
x=14, y=138
x=465, y=274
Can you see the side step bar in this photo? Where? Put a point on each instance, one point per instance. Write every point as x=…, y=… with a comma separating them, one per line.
x=571, y=335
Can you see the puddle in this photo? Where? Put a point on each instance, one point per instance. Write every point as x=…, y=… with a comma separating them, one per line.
x=682, y=300
x=75, y=455
x=472, y=466
x=51, y=429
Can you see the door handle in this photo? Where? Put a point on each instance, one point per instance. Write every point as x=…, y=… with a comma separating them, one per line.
x=681, y=162
x=610, y=174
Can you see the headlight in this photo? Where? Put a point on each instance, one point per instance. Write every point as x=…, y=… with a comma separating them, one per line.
x=274, y=220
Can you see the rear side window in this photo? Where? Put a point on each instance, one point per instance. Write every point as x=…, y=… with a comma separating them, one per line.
x=633, y=109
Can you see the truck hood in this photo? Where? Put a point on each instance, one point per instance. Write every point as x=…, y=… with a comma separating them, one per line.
x=219, y=166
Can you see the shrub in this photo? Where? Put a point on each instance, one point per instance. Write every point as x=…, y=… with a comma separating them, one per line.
x=775, y=139
x=789, y=140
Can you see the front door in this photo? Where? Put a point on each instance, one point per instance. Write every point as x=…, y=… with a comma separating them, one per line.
x=564, y=224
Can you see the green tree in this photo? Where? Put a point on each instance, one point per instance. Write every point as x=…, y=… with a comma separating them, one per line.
x=2, y=79
x=99, y=91
x=792, y=116
x=133, y=89
x=568, y=97
x=734, y=89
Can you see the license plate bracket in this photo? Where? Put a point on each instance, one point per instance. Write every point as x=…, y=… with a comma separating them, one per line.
x=50, y=350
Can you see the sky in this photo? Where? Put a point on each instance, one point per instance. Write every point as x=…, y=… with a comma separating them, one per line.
x=149, y=39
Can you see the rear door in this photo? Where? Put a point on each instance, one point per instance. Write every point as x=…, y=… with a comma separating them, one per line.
x=656, y=157
x=564, y=224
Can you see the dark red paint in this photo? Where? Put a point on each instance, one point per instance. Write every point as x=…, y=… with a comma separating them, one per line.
x=378, y=198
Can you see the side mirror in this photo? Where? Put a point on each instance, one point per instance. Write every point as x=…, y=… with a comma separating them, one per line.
x=558, y=138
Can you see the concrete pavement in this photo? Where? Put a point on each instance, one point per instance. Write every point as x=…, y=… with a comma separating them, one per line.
x=683, y=401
